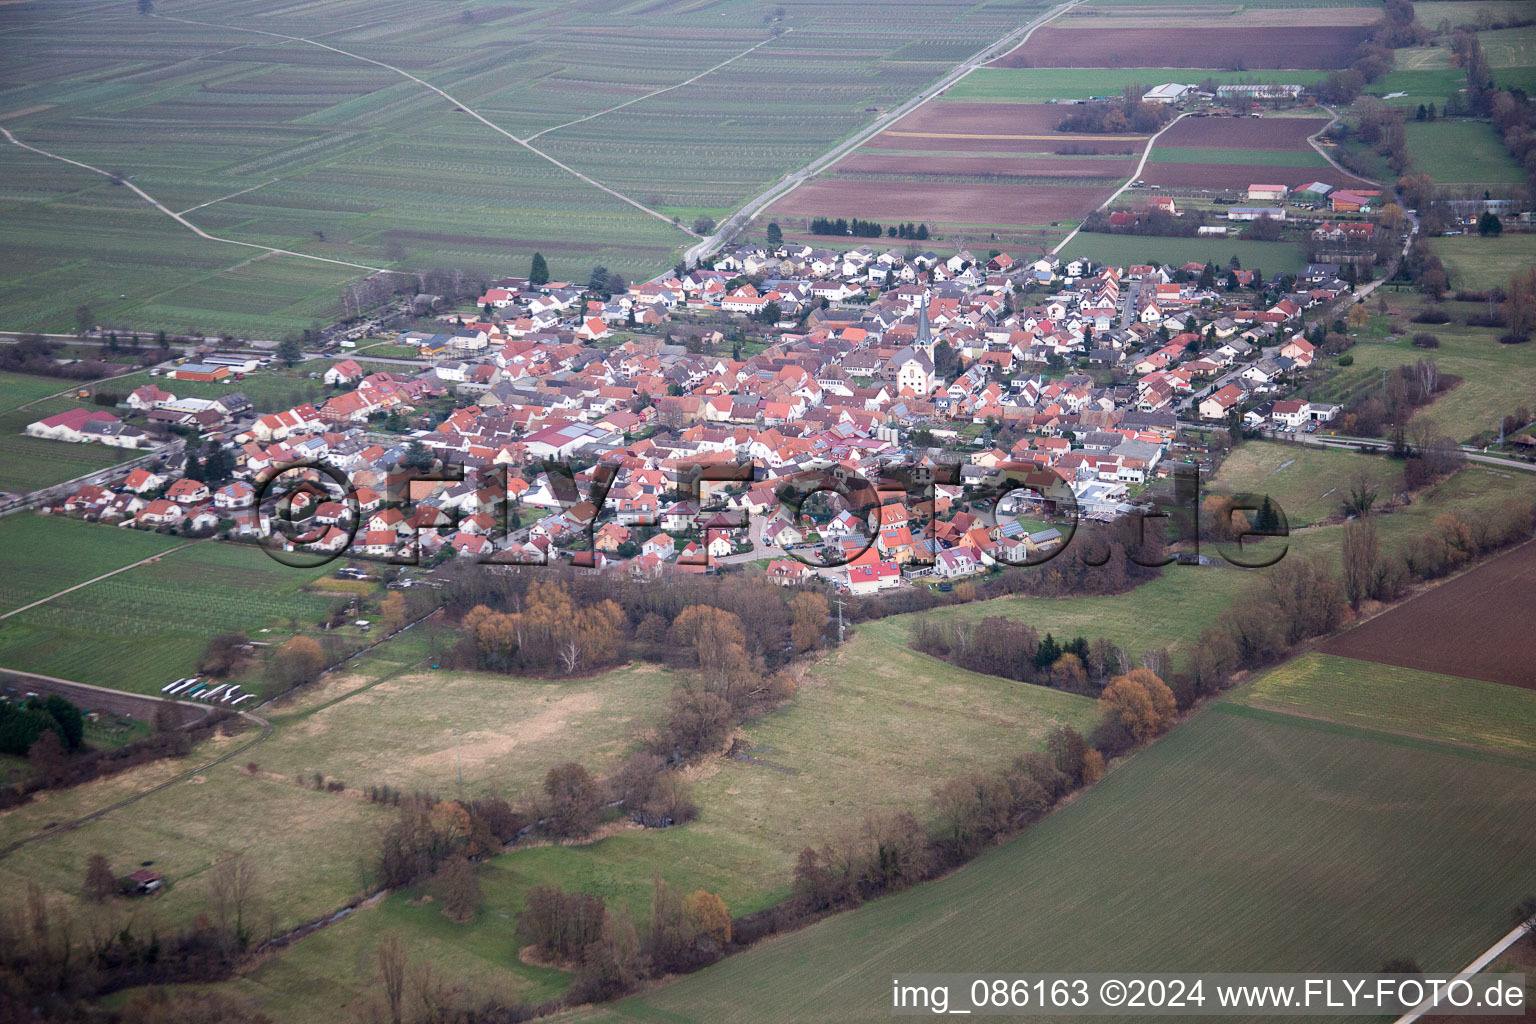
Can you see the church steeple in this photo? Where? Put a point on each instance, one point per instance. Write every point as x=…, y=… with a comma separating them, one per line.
x=924, y=340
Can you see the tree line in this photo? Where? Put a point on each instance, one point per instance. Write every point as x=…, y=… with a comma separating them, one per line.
x=867, y=228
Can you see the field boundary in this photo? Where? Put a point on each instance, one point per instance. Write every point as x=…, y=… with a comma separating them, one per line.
x=1146, y=154
x=97, y=579
x=463, y=106
x=178, y=218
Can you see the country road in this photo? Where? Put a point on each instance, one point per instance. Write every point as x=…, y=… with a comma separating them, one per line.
x=1135, y=175
x=787, y=184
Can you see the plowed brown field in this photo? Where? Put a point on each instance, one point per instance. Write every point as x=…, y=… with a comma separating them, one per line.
x=1476, y=626
x=1304, y=47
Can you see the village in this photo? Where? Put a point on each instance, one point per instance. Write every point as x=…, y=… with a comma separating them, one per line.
x=1073, y=378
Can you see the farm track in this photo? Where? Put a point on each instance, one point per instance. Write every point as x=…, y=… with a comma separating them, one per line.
x=178, y=218
x=462, y=106
x=1146, y=154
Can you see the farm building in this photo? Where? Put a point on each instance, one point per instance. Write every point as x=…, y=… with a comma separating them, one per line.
x=144, y=881
x=1267, y=193
x=1352, y=201
x=1170, y=92
x=1256, y=213
x=200, y=371
x=1258, y=92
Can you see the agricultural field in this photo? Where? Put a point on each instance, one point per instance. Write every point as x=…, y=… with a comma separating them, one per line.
x=1270, y=257
x=1461, y=153
x=1488, y=716
x=1230, y=153
x=1246, y=48
x=246, y=122
x=1342, y=819
x=1477, y=263
x=389, y=724
x=42, y=555
x=874, y=725
x=311, y=865
x=963, y=168
x=1471, y=626
x=140, y=629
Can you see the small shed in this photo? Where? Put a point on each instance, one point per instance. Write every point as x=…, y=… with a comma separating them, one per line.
x=144, y=881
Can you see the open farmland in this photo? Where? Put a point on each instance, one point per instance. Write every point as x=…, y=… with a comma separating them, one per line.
x=1246, y=840
x=1233, y=152
x=139, y=629
x=1002, y=167
x=1495, y=378
x=260, y=131
x=1234, y=48
x=42, y=555
x=1021, y=85
x=1308, y=483
x=1461, y=153
x=1473, y=626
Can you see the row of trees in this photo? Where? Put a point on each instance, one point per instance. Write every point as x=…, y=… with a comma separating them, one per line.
x=858, y=228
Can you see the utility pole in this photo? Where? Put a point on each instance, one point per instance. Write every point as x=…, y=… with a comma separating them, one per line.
x=458, y=757
x=840, y=633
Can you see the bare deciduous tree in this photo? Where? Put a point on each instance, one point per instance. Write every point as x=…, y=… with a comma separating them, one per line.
x=233, y=889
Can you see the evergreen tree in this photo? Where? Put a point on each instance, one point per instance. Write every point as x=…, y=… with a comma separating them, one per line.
x=1269, y=517
x=775, y=235
x=597, y=284
x=417, y=456
x=538, y=273
x=1047, y=653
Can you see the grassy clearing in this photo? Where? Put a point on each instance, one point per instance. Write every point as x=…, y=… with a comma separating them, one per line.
x=142, y=628
x=1399, y=700
x=1244, y=841
x=1478, y=263
x=1270, y=257
x=1307, y=483
x=1461, y=152
x=17, y=389
x=1495, y=378
x=42, y=555
x=312, y=847
x=400, y=731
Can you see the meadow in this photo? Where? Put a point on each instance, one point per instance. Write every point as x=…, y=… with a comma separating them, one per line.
x=1245, y=840
x=229, y=114
x=1476, y=263
x=1308, y=483
x=1495, y=378
x=1461, y=153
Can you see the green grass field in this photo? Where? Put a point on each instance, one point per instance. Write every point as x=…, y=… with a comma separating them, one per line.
x=1013, y=85
x=1307, y=483
x=1246, y=840
x=301, y=148
x=42, y=555
x=1460, y=152
x=1488, y=716
x=142, y=628
x=1478, y=263
x=1270, y=257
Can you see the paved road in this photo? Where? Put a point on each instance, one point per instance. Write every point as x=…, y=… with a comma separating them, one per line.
x=795, y=179
x=1473, y=454
x=1492, y=953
